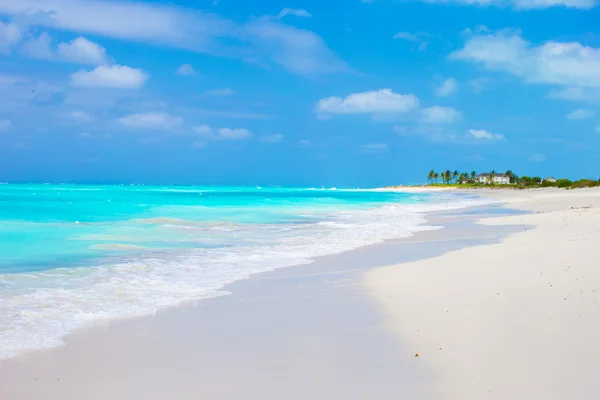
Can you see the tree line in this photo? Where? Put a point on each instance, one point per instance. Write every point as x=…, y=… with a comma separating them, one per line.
x=456, y=177
x=448, y=177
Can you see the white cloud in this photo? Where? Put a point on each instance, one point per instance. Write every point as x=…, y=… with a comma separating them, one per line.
x=581, y=114
x=234, y=134
x=529, y=4
x=481, y=134
x=262, y=40
x=151, y=120
x=110, y=76
x=186, y=70
x=276, y=138
x=5, y=125
x=40, y=47
x=523, y=4
x=83, y=51
x=79, y=50
x=208, y=133
x=296, y=12
x=439, y=115
x=219, y=92
x=203, y=130
x=382, y=101
x=305, y=142
x=560, y=63
x=375, y=146
x=447, y=88
x=298, y=51
x=10, y=35
x=79, y=116
x=419, y=38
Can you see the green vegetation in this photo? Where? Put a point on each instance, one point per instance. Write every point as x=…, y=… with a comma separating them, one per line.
x=472, y=180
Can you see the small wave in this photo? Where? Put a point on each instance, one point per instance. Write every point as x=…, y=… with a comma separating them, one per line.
x=39, y=309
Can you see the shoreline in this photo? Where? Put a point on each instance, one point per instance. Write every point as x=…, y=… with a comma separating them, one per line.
x=93, y=354
x=516, y=319
x=47, y=328
x=333, y=328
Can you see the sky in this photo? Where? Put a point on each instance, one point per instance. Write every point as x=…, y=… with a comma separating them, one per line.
x=347, y=93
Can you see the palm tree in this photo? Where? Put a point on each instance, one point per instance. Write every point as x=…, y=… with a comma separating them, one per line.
x=447, y=176
x=463, y=177
x=454, y=175
x=473, y=175
x=431, y=176
x=436, y=176
x=491, y=177
x=511, y=176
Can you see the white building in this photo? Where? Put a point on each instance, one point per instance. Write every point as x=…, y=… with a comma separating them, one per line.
x=549, y=179
x=498, y=179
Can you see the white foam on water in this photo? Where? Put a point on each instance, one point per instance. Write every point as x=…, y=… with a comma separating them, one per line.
x=38, y=309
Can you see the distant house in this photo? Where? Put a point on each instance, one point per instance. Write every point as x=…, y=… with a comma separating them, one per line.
x=498, y=179
x=549, y=179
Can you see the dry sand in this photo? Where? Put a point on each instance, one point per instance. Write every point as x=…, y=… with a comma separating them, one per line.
x=515, y=320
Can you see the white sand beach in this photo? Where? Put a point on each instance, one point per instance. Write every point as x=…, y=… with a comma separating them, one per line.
x=508, y=308
x=515, y=320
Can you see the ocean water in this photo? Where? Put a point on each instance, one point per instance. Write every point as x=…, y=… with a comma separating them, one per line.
x=73, y=254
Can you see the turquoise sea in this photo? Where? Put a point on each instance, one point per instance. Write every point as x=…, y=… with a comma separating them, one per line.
x=75, y=254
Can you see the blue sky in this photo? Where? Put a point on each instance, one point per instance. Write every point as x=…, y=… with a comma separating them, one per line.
x=350, y=93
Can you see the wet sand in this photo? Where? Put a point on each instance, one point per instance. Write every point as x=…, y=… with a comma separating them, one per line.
x=303, y=332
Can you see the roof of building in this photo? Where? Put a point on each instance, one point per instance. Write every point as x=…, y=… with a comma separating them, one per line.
x=495, y=175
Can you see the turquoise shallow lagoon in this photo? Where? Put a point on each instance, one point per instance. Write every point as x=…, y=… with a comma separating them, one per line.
x=75, y=254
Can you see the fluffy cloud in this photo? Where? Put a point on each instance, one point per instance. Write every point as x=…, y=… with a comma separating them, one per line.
x=439, y=115
x=382, y=101
x=447, y=88
x=83, y=51
x=295, y=12
x=560, y=63
x=260, y=40
x=40, y=47
x=151, y=120
x=485, y=135
x=523, y=4
x=5, y=125
x=10, y=35
x=299, y=51
x=79, y=50
x=581, y=114
x=208, y=133
x=271, y=138
x=110, y=76
x=234, y=134
x=186, y=70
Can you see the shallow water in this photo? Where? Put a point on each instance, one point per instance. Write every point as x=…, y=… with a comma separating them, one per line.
x=73, y=254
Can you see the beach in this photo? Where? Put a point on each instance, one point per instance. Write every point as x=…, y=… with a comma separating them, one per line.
x=497, y=304
x=518, y=319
